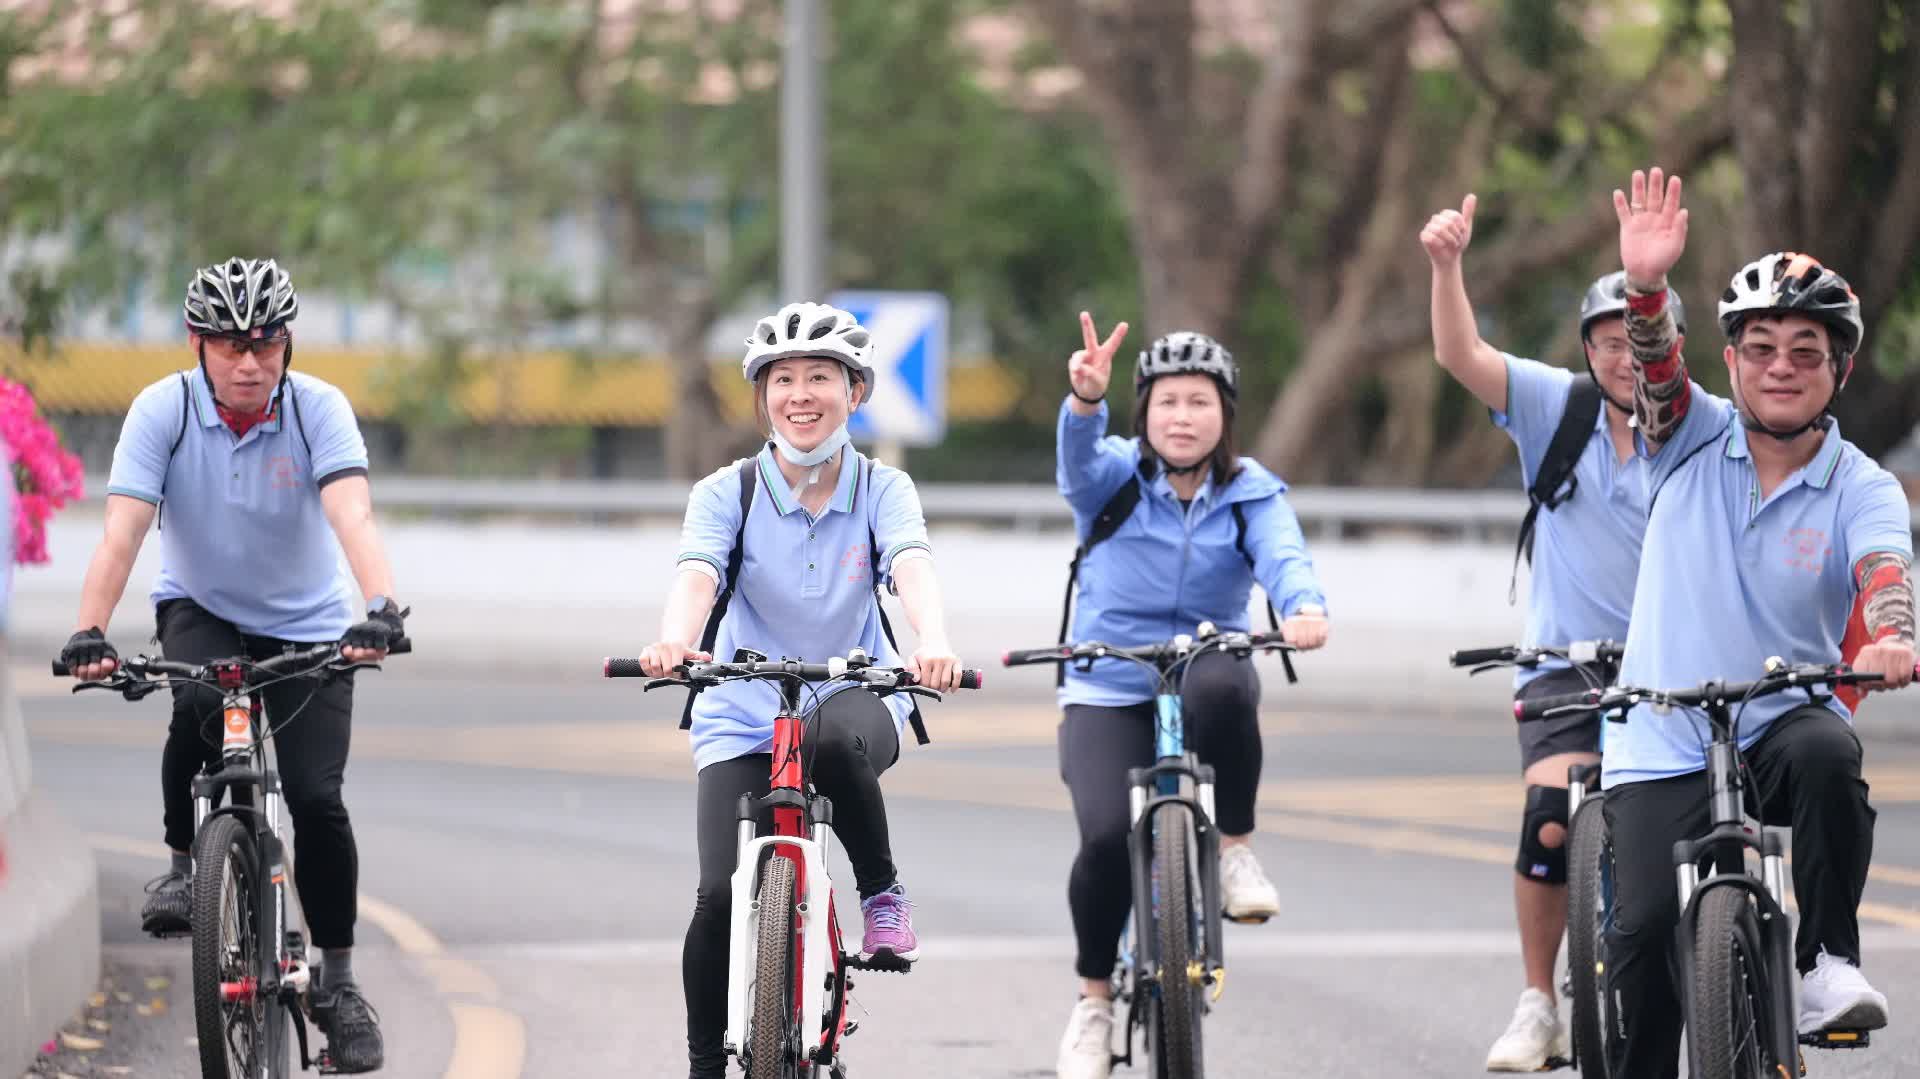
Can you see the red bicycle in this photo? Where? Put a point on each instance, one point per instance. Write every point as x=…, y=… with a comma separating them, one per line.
x=786, y=963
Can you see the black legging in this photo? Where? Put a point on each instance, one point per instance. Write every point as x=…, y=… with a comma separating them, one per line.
x=310, y=753
x=848, y=744
x=1807, y=769
x=1220, y=704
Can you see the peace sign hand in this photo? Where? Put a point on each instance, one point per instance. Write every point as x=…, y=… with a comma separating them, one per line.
x=1091, y=368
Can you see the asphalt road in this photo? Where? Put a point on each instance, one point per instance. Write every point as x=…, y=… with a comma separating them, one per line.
x=527, y=864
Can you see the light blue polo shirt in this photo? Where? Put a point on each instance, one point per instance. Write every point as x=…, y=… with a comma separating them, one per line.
x=806, y=584
x=1729, y=578
x=242, y=530
x=1586, y=553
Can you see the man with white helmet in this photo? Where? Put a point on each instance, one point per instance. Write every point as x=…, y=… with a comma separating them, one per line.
x=1765, y=528
x=264, y=475
x=784, y=553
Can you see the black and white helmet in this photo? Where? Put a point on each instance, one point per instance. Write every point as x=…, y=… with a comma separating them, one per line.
x=1187, y=353
x=1790, y=283
x=810, y=329
x=240, y=295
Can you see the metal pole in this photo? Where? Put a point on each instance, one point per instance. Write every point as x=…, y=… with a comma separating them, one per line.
x=803, y=173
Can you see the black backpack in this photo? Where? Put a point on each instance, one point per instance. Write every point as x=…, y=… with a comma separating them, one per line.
x=1108, y=521
x=749, y=480
x=1554, y=481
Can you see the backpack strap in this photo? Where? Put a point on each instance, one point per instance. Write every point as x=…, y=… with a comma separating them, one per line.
x=299, y=423
x=186, y=417
x=1553, y=480
x=749, y=474
x=1273, y=619
x=865, y=479
x=1119, y=507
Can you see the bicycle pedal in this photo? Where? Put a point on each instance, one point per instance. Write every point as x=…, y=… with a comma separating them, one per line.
x=1837, y=1039
x=883, y=962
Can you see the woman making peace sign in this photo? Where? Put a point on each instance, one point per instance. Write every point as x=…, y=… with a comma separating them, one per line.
x=1175, y=562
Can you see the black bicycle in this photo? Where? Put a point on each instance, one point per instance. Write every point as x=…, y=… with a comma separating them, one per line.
x=1735, y=945
x=1589, y=857
x=250, y=971
x=1173, y=968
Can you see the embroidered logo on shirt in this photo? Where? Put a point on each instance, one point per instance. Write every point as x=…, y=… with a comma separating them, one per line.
x=1807, y=550
x=856, y=563
x=280, y=472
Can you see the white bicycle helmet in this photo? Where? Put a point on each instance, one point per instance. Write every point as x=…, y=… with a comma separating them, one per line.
x=240, y=295
x=810, y=329
x=1789, y=283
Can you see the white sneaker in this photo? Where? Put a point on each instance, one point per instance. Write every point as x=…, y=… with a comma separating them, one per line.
x=1245, y=891
x=1834, y=995
x=1533, y=1038
x=1086, y=1049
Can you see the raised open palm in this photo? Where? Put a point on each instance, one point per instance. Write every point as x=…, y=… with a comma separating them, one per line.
x=1091, y=368
x=1653, y=227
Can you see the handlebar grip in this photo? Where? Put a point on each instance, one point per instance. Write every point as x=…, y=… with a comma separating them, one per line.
x=622, y=667
x=1268, y=637
x=1538, y=707
x=972, y=678
x=1473, y=657
x=1021, y=657
x=60, y=669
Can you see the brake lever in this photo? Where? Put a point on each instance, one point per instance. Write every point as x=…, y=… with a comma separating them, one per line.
x=657, y=683
x=921, y=691
x=139, y=690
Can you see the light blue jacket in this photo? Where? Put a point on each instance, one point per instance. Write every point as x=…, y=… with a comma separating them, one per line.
x=1167, y=569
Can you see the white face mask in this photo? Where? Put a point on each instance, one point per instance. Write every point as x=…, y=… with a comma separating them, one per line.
x=818, y=455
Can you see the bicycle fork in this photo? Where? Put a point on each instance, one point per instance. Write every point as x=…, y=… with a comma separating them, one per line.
x=1724, y=847
x=1203, y=866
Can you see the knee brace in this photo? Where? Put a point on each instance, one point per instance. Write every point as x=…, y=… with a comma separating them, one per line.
x=1537, y=861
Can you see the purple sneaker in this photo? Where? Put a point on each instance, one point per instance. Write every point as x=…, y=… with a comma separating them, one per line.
x=889, y=928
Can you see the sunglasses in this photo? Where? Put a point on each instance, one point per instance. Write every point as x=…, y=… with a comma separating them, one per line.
x=1763, y=355
x=259, y=346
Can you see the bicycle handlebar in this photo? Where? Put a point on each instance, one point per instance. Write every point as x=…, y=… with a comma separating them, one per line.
x=702, y=675
x=1575, y=652
x=144, y=668
x=1614, y=698
x=1150, y=653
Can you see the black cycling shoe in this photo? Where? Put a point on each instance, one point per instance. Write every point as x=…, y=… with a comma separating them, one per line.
x=169, y=908
x=352, y=1028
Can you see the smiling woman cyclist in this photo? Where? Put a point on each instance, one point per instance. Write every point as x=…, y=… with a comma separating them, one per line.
x=782, y=553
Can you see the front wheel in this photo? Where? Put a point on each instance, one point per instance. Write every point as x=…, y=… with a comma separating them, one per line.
x=1589, y=875
x=1730, y=1021
x=773, y=1048
x=242, y=1034
x=1181, y=994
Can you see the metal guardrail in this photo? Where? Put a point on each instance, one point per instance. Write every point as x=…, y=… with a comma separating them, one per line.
x=1480, y=514
x=1338, y=511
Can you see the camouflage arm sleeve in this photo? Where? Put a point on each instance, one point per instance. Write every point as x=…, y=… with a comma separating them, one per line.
x=1886, y=595
x=1660, y=387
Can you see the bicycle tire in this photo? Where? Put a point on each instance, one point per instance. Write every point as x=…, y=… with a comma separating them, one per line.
x=1729, y=1020
x=1182, y=998
x=226, y=949
x=1587, y=855
x=771, y=1045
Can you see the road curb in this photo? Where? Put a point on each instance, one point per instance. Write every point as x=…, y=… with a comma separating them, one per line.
x=49, y=929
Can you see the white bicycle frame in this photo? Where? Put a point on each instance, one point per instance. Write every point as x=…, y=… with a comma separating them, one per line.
x=812, y=910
